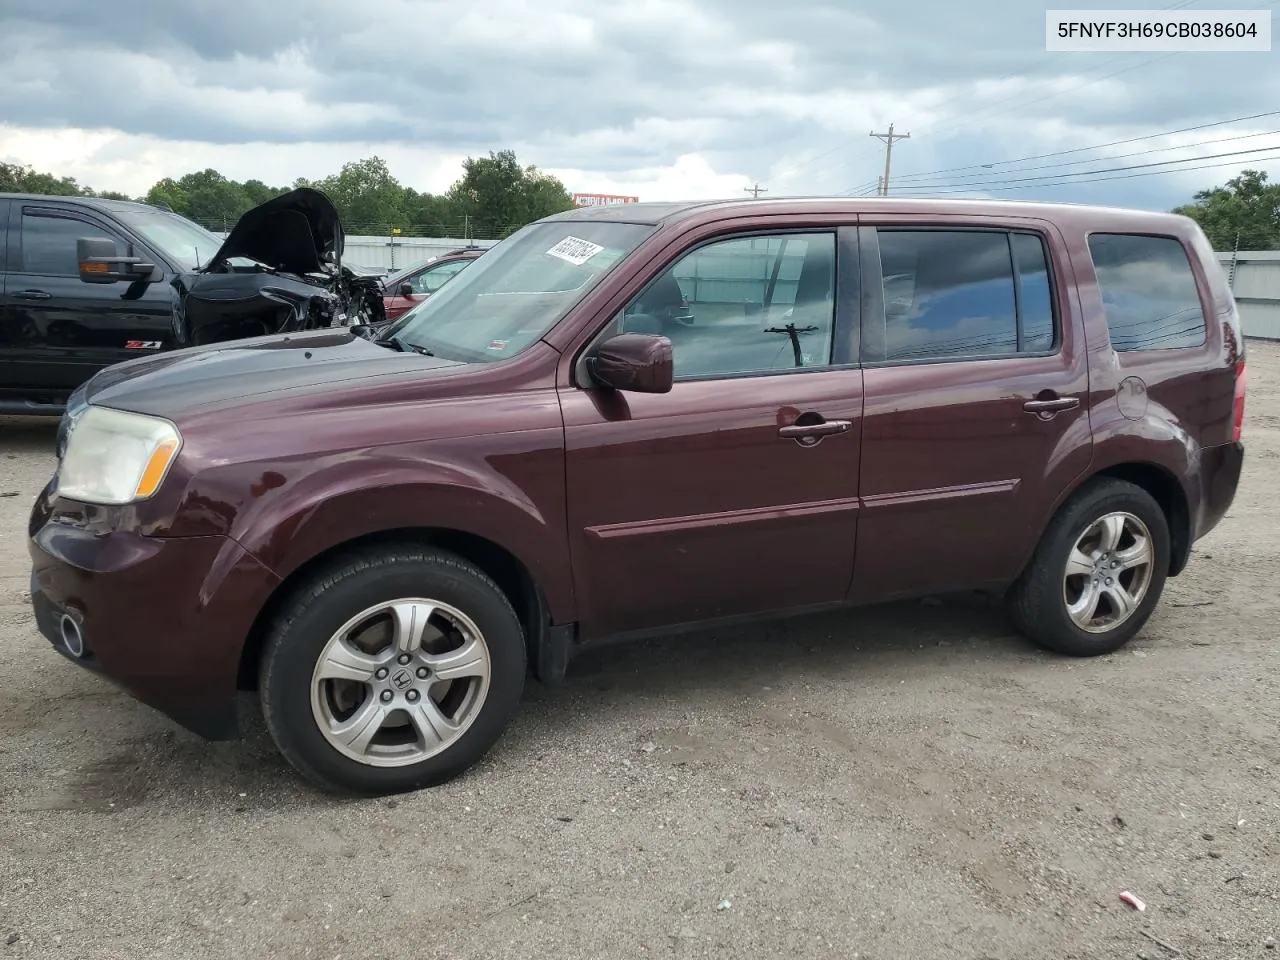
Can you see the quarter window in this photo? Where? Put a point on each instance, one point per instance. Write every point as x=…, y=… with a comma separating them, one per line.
x=742, y=306
x=1035, y=296
x=49, y=243
x=1148, y=292
x=954, y=294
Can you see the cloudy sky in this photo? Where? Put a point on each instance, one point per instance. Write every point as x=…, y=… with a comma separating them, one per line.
x=665, y=99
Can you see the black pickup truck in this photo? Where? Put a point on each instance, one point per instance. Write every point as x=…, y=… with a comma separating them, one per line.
x=86, y=283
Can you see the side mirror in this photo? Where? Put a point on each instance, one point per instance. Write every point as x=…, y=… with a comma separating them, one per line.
x=406, y=289
x=99, y=262
x=636, y=362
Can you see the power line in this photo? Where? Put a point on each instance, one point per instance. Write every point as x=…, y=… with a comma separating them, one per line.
x=1097, y=146
x=1059, y=177
x=1001, y=176
x=919, y=192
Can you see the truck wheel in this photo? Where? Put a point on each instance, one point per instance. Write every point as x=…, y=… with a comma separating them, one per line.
x=396, y=669
x=1097, y=573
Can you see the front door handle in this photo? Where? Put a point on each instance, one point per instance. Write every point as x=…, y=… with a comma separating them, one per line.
x=1045, y=409
x=808, y=434
x=33, y=295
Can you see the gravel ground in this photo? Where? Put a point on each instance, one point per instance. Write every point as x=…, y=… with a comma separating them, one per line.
x=910, y=781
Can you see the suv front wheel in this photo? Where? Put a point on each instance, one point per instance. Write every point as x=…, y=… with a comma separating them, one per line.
x=1098, y=572
x=394, y=669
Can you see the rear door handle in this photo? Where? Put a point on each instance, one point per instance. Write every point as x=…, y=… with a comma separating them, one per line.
x=1047, y=408
x=810, y=433
x=33, y=295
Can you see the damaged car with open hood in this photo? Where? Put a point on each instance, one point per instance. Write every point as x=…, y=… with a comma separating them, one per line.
x=90, y=282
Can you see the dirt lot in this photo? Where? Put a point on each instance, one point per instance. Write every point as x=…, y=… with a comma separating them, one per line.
x=906, y=782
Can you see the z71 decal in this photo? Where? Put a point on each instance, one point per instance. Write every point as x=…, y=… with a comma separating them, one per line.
x=142, y=345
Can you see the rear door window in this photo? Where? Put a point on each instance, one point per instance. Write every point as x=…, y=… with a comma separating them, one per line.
x=1148, y=292
x=964, y=294
x=49, y=242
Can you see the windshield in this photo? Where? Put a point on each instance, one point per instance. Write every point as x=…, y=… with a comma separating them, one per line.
x=518, y=290
x=186, y=243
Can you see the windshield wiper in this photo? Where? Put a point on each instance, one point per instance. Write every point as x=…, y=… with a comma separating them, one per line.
x=403, y=346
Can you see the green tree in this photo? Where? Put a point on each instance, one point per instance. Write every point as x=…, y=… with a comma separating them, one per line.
x=1247, y=208
x=167, y=193
x=209, y=197
x=17, y=178
x=430, y=215
x=368, y=197
x=257, y=192
x=497, y=196
x=494, y=196
x=212, y=199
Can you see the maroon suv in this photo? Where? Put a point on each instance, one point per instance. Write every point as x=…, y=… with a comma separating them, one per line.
x=622, y=420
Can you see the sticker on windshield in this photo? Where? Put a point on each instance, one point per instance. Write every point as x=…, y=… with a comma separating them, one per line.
x=575, y=251
x=498, y=344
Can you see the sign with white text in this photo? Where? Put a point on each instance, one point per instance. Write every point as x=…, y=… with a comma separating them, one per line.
x=601, y=199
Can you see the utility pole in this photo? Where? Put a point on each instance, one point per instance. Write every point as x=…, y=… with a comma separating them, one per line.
x=887, y=139
x=756, y=190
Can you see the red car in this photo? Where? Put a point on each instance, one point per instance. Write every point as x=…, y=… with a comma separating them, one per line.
x=866, y=400
x=410, y=287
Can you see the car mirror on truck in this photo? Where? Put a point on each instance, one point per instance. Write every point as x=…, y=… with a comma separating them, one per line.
x=406, y=289
x=636, y=362
x=99, y=262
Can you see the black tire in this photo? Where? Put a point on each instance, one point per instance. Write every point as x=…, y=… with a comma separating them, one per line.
x=1037, y=600
x=319, y=608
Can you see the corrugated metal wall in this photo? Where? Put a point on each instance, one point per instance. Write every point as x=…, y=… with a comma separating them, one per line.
x=1255, y=280
x=382, y=253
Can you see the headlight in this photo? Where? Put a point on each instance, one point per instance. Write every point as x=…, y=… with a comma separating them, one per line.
x=114, y=457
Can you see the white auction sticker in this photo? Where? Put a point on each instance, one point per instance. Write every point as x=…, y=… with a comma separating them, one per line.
x=1122, y=31
x=575, y=251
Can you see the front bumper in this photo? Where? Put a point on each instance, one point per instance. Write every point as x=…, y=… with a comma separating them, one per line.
x=165, y=619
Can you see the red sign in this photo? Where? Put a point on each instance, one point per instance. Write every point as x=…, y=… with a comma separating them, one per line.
x=601, y=199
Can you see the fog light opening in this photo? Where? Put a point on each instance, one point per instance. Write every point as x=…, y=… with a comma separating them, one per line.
x=72, y=637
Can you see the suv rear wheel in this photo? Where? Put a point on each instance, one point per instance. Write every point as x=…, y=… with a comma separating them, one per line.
x=393, y=670
x=1097, y=573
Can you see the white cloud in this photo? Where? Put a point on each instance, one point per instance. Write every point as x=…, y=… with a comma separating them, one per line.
x=661, y=98
x=110, y=160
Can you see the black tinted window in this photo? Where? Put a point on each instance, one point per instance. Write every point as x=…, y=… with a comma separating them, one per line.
x=950, y=294
x=947, y=294
x=49, y=244
x=1148, y=292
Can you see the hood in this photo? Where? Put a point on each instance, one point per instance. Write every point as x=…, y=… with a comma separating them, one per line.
x=297, y=232
x=247, y=372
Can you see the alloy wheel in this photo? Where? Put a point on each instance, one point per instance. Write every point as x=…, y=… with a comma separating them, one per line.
x=400, y=682
x=1108, y=572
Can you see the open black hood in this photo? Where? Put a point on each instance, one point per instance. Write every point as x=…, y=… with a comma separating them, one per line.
x=297, y=232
